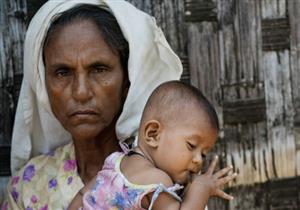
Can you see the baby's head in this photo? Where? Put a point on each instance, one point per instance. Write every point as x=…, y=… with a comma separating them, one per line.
x=178, y=128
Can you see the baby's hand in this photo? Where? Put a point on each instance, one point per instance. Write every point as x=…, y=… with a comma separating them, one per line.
x=213, y=182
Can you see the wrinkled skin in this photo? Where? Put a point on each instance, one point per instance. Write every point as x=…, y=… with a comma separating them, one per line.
x=87, y=86
x=84, y=80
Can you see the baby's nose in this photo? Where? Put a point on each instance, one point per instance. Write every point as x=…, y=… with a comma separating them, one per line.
x=197, y=159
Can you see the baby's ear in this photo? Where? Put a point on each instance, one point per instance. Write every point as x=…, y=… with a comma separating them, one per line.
x=152, y=132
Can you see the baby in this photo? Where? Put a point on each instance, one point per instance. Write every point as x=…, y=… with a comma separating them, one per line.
x=178, y=128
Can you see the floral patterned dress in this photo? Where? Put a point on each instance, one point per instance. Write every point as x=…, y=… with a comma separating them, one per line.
x=46, y=182
x=112, y=191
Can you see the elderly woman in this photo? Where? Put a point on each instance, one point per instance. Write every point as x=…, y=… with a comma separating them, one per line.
x=88, y=70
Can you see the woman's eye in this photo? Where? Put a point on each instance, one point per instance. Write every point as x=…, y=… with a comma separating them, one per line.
x=62, y=72
x=190, y=146
x=99, y=68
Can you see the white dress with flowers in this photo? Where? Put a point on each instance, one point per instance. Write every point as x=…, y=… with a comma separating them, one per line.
x=51, y=181
x=46, y=182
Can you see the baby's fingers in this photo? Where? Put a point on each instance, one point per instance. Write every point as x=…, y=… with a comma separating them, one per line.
x=223, y=172
x=226, y=179
x=212, y=166
x=222, y=194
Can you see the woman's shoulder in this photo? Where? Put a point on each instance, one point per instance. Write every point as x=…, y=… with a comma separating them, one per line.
x=41, y=175
x=44, y=163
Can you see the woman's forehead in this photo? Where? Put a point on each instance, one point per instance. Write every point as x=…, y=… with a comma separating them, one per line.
x=78, y=41
x=78, y=27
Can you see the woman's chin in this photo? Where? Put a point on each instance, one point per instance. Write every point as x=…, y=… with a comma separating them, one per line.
x=85, y=132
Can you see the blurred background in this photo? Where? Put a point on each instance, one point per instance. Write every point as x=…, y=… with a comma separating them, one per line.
x=243, y=54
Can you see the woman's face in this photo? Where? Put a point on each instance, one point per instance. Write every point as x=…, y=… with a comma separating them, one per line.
x=84, y=79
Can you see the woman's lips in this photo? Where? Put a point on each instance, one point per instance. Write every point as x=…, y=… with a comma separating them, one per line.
x=84, y=112
x=81, y=116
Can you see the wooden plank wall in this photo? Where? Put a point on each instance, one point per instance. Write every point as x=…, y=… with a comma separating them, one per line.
x=12, y=33
x=245, y=56
x=169, y=15
x=234, y=84
x=239, y=56
x=276, y=67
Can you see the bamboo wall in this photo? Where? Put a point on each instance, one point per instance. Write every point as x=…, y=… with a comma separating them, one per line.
x=241, y=55
x=12, y=33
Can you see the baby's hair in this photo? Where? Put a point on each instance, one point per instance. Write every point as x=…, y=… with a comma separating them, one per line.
x=171, y=97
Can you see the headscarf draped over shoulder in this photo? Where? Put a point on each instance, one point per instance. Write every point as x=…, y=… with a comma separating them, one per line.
x=151, y=62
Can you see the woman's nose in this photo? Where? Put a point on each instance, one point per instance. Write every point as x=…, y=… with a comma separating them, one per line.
x=82, y=88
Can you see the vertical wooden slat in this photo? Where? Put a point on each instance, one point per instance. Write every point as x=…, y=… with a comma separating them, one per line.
x=5, y=121
x=279, y=113
x=246, y=41
x=247, y=73
x=3, y=184
x=170, y=17
x=12, y=33
x=273, y=8
x=264, y=149
x=145, y=5
x=260, y=136
x=11, y=43
x=227, y=18
x=204, y=59
x=276, y=67
x=243, y=81
x=240, y=39
x=245, y=151
x=203, y=48
x=294, y=16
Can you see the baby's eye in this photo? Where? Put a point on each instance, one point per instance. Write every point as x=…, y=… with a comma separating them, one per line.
x=190, y=146
x=203, y=155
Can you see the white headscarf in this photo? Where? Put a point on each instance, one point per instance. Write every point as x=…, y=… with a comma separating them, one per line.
x=151, y=62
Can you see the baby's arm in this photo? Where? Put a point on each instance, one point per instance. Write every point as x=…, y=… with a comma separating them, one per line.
x=77, y=203
x=197, y=195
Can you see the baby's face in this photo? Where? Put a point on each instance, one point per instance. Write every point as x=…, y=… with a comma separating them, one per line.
x=183, y=146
